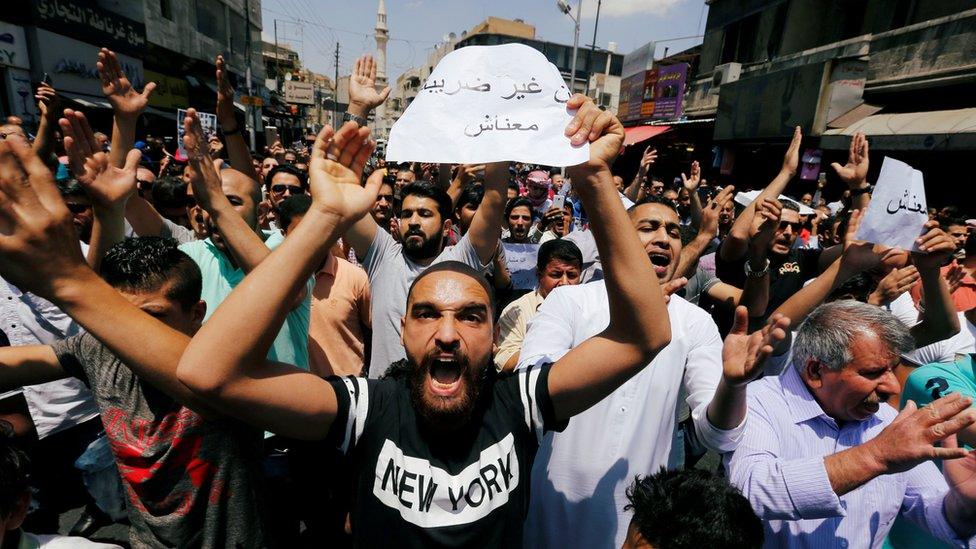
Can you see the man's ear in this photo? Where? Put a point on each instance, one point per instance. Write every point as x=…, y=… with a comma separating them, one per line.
x=813, y=371
x=448, y=225
x=199, y=312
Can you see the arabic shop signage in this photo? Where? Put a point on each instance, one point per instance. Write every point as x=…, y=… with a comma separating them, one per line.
x=655, y=94
x=13, y=46
x=71, y=64
x=91, y=23
x=299, y=93
x=171, y=92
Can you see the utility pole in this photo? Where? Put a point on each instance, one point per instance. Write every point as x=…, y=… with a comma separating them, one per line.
x=589, y=60
x=250, y=115
x=277, y=60
x=335, y=101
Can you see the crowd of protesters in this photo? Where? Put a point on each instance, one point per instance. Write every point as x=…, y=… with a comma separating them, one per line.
x=220, y=347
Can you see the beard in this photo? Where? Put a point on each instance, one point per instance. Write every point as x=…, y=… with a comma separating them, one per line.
x=445, y=414
x=429, y=246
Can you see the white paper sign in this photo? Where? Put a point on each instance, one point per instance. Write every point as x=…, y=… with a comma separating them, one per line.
x=488, y=104
x=521, y=260
x=897, y=212
x=746, y=198
x=208, y=122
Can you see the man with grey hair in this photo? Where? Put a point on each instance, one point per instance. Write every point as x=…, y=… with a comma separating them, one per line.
x=825, y=462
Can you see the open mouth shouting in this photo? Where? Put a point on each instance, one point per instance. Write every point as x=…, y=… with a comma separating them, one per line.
x=444, y=376
x=660, y=260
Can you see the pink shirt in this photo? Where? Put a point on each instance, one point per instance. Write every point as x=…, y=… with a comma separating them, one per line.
x=340, y=319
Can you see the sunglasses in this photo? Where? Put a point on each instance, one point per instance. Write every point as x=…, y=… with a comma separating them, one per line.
x=796, y=226
x=293, y=189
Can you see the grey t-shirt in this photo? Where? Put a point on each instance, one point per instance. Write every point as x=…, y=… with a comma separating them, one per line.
x=390, y=274
x=189, y=482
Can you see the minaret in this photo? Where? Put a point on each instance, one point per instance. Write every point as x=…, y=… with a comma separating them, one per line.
x=382, y=36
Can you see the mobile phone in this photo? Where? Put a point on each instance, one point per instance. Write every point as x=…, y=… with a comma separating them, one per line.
x=46, y=79
x=270, y=135
x=559, y=201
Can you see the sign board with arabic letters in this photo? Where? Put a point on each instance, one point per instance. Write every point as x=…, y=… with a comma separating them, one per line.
x=299, y=93
x=897, y=212
x=488, y=104
x=88, y=22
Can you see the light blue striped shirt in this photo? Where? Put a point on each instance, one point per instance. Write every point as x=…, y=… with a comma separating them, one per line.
x=779, y=467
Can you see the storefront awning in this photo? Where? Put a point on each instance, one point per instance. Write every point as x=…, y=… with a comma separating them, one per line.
x=920, y=131
x=89, y=101
x=637, y=134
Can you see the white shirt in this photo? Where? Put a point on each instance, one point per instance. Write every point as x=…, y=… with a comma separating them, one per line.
x=580, y=475
x=31, y=320
x=947, y=350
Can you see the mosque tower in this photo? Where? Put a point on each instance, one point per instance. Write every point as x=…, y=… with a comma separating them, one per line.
x=382, y=36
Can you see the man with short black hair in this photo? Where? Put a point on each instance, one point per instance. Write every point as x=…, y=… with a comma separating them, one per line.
x=559, y=263
x=687, y=509
x=184, y=476
x=284, y=181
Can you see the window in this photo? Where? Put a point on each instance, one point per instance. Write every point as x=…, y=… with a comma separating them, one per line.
x=166, y=9
x=211, y=21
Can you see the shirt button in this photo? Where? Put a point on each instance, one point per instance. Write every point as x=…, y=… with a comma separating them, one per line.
x=843, y=543
x=623, y=408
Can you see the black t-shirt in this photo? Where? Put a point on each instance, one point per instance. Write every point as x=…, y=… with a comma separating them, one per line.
x=786, y=274
x=468, y=489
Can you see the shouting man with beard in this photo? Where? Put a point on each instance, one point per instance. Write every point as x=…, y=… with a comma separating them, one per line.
x=441, y=454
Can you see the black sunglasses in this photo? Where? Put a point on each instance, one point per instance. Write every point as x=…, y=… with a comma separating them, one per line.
x=281, y=188
x=796, y=226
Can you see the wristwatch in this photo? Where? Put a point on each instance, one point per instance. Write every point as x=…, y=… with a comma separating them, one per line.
x=347, y=116
x=757, y=274
x=863, y=190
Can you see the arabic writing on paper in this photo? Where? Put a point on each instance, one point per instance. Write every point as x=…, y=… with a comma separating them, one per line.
x=897, y=212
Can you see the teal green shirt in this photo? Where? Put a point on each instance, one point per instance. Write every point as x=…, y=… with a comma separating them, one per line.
x=220, y=277
x=925, y=384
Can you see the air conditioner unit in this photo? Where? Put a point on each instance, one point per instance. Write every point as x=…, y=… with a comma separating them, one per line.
x=724, y=74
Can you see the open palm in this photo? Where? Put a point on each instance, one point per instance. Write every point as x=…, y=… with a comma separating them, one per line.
x=362, y=84
x=106, y=185
x=744, y=354
x=335, y=171
x=855, y=171
x=117, y=87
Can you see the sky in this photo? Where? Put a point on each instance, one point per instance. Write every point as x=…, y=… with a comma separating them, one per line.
x=312, y=27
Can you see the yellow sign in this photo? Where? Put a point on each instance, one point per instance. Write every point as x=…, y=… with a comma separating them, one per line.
x=253, y=100
x=172, y=93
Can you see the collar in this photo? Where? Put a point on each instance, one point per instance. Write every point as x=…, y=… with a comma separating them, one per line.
x=331, y=265
x=799, y=399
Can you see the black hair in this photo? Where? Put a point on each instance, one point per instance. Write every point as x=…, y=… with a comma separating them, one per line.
x=292, y=207
x=285, y=168
x=513, y=184
x=654, y=199
x=14, y=474
x=426, y=189
x=692, y=508
x=517, y=202
x=146, y=263
x=858, y=288
x=169, y=192
x=946, y=221
x=563, y=250
x=470, y=194
x=970, y=246
x=460, y=268
x=790, y=205
x=71, y=187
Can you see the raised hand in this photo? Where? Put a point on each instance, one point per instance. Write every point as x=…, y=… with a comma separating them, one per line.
x=225, y=97
x=108, y=187
x=47, y=99
x=960, y=474
x=764, y=228
x=743, y=354
x=116, y=86
x=38, y=242
x=954, y=277
x=895, y=283
x=648, y=158
x=336, y=168
x=936, y=247
x=362, y=86
x=203, y=175
x=713, y=209
x=601, y=128
x=691, y=183
x=855, y=172
x=911, y=437
x=671, y=287
x=791, y=160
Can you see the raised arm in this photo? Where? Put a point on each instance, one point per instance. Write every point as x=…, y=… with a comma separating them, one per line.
x=363, y=98
x=708, y=229
x=939, y=318
x=465, y=174
x=22, y=365
x=237, y=379
x=632, y=192
x=855, y=172
x=40, y=254
x=237, y=150
x=244, y=244
x=108, y=187
x=690, y=184
x=486, y=226
x=47, y=104
x=736, y=243
x=127, y=104
x=639, y=326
